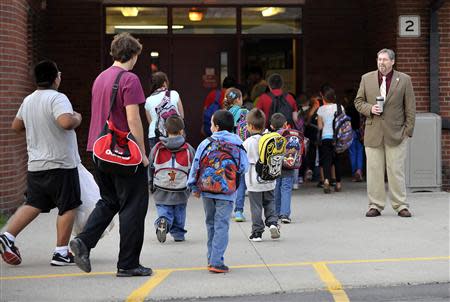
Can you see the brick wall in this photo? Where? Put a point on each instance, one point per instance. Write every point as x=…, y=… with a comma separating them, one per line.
x=18, y=52
x=444, y=96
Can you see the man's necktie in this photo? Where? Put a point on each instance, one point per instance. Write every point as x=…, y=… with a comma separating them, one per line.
x=383, y=88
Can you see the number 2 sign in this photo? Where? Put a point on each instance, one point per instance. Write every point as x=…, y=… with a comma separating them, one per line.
x=409, y=26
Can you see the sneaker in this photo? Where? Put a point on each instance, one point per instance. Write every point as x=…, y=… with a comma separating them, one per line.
x=219, y=269
x=161, y=230
x=300, y=180
x=139, y=271
x=239, y=216
x=326, y=187
x=255, y=237
x=81, y=254
x=285, y=219
x=10, y=253
x=274, y=231
x=320, y=184
x=309, y=175
x=60, y=260
x=295, y=186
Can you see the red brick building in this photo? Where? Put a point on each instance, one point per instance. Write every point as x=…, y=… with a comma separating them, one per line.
x=336, y=42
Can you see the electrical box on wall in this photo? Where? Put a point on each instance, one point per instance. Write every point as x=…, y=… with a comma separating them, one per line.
x=423, y=159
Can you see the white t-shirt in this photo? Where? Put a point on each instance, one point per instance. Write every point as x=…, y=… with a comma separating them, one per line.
x=326, y=112
x=153, y=101
x=49, y=146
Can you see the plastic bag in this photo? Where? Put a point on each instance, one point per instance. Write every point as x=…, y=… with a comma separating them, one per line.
x=90, y=194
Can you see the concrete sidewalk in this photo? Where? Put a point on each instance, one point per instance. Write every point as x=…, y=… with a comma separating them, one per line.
x=330, y=243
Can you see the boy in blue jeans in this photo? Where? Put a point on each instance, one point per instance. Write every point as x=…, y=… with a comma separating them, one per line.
x=283, y=188
x=169, y=179
x=218, y=163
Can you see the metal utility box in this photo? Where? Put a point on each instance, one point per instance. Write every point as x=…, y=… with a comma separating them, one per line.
x=423, y=159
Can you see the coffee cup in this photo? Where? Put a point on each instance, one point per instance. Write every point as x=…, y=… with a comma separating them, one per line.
x=380, y=102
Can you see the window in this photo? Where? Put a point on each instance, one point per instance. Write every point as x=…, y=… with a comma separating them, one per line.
x=146, y=20
x=204, y=20
x=271, y=20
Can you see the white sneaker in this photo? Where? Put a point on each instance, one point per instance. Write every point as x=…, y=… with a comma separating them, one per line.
x=295, y=187
x=274, y=231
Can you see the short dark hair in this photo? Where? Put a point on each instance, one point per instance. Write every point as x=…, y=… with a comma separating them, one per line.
x=124, y=47
x=256, y=118
x=45, y=72
x=277, y=121
x=228, y=82
x=328, y=92
x=275, y=81
x=157, y=81
x=174, y=124
x=224, y=120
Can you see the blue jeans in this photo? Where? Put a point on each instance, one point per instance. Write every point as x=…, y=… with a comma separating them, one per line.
x=240, y=198
x=356, y=153
x=218, y=214
x=283, y=192
x=176, y=219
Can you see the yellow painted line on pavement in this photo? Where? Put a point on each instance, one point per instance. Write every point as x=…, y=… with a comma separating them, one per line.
x=201, y=268
x=333, y=284
x=142, y=292
x=56, y=276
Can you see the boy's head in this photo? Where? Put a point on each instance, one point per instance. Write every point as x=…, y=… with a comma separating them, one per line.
x=222, y=120
x=124, y=47
x=45, y=74
x=174, y=125
x=256, y=120
x=278, y=121
x=275, y=81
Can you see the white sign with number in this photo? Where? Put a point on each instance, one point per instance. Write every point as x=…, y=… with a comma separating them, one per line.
x=409, y=26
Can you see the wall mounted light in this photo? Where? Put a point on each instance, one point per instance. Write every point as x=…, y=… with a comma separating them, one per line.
x=129, y=11
x=272, y=11
x=195, y=14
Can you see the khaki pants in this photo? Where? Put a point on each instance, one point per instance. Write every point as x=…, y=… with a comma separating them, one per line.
x=392, y=157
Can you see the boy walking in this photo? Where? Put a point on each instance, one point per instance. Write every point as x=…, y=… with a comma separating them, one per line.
x=260, y=192
x=48, y=120
x=171, y=160
x=218, y=163
x=283, y=187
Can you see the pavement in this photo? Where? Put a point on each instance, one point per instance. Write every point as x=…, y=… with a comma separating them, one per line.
x=331, y=249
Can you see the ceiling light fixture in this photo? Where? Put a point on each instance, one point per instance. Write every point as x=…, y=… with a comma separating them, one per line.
x=129, y=11
x=195, y=14
x=272, y=11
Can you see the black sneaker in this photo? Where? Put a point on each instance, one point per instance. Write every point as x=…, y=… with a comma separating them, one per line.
x=139, y=271
x=219, y=269
x=255, y=237
x=161, y=230
x=81, y=254
x=10, y=253
x=60, y=260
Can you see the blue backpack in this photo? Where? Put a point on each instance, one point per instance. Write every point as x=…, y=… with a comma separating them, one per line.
x=208, y=113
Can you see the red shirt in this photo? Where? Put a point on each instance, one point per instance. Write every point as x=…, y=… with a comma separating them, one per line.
x=388, y=80
x=211, y=97
x=265, y=102
x=130, y=92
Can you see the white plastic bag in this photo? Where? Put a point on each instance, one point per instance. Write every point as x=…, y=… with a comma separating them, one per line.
x=90, y=194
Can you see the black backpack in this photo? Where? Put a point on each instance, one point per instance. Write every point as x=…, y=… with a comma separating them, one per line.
x=281, y=105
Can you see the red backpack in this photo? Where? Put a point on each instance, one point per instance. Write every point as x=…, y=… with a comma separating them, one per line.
x=295, y=148
x=171, y=167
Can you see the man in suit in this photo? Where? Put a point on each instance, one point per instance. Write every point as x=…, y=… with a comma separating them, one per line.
x=386, y=133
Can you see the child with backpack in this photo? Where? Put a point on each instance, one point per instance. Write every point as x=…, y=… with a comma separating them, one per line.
x=218, y=163
x=292, y=160
x=262, y=173
x=327, y=153
x=171, y=160
x=233, y=103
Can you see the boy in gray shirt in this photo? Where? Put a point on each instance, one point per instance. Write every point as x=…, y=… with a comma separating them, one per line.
x=52, y=179
x=171, y=160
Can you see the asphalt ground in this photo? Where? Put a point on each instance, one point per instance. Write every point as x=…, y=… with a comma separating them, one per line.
x=331, y=250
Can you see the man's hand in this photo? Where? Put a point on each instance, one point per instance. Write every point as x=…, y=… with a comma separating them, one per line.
x=376, y=110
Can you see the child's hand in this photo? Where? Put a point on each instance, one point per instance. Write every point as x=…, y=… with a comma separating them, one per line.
x=196, y=194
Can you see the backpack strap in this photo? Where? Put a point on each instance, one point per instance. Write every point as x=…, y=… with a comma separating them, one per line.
x=115, y=88
x=218, y=94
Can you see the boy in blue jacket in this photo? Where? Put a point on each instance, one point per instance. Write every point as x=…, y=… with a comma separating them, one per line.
x=218, y=163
